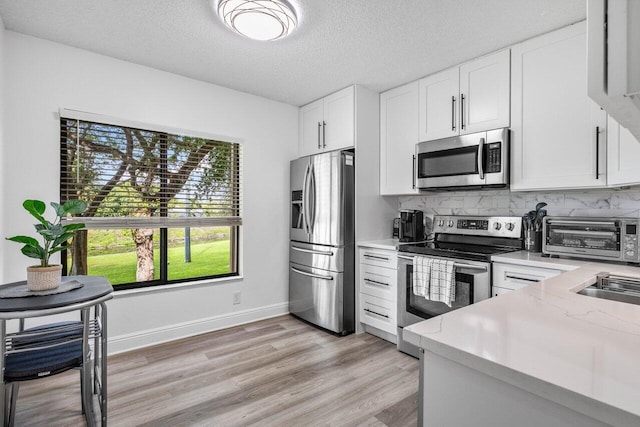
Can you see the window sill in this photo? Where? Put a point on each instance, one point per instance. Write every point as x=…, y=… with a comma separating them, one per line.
x=173, y=286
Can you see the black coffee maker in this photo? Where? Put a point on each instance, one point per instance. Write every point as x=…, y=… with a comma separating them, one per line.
x=411, y=226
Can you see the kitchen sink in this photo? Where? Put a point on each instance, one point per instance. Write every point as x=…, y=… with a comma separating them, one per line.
x=615, y=288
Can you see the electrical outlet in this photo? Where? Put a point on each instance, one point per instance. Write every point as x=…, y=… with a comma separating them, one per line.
x=236, y=298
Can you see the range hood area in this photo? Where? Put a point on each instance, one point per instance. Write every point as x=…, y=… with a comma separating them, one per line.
x=613, y=43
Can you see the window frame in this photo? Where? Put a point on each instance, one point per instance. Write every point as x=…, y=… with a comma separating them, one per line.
x=235, y=224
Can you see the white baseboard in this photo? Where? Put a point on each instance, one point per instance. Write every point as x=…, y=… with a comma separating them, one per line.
x=146, y=338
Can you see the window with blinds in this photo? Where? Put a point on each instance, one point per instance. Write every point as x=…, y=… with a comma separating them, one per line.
x=150, y=196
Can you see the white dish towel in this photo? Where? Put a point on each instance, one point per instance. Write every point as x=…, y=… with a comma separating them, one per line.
x=421, y=276
x=442, y=284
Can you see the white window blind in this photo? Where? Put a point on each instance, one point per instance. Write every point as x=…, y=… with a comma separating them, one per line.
x=132, y=177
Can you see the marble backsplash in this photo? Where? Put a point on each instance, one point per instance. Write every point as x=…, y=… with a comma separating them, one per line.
x=604, y=202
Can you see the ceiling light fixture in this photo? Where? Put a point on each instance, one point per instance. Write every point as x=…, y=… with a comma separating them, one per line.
x=258, y=19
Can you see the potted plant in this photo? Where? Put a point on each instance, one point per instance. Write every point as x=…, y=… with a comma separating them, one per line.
x=54, y=235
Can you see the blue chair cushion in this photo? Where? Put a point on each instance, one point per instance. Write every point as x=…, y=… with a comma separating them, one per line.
x=39, y=363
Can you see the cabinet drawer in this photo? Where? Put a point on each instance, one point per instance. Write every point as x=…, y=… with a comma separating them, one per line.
x=512, y=276
x=378, y=281
x=380, y=258
x=378, y=313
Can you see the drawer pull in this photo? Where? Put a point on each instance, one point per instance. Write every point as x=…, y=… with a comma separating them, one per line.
x=376, y=257
x=375, y=282
x=377, y=314
x=311, y=251
x=526, y=279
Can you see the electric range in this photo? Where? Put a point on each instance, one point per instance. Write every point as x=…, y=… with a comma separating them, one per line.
x=469, y=241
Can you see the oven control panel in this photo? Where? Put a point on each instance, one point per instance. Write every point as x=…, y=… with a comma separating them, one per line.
x=495, y=226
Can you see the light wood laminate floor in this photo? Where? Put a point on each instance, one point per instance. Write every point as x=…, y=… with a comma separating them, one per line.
x=276, y=372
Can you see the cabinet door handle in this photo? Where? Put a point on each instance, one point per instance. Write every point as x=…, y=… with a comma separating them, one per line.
x=377, y=314
x=324, y=134
x=597, y=152
x=462, y=111
x=319, y=127
x=375, y=282
x=414, y=172
x=453, y=113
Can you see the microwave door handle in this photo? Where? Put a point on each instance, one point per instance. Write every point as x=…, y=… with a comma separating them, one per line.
x=481, y=158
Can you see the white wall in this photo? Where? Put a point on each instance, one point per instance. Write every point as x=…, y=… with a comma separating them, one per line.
x=42, y=76
x=2, y=83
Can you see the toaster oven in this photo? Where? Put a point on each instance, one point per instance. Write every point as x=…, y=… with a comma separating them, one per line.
x=609, y=239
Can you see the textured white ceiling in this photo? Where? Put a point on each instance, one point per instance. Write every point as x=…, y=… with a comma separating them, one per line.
x=377, y=43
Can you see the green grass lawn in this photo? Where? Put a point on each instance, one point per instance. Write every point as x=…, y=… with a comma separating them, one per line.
x=207, y=259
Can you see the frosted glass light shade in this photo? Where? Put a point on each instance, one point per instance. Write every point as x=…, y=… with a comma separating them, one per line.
x=258, y=19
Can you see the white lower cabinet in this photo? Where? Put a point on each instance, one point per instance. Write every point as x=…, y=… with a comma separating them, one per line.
x=377, y=288
x=511, y=277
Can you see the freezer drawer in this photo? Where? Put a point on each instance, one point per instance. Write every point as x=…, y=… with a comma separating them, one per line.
x=317, y=296
x=317, y=256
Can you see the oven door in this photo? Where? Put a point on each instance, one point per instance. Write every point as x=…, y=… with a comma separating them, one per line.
x=473, y=284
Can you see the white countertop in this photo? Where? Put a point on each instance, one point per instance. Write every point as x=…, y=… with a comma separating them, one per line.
x=579, y=351
x=535, y=259
x=388, y=244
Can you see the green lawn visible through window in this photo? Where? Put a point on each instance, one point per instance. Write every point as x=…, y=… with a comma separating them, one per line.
x=207, y=259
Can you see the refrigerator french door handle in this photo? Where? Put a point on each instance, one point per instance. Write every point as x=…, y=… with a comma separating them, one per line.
x=315, y=276
x=305, y=200
x=312, y=198
x=481, y=158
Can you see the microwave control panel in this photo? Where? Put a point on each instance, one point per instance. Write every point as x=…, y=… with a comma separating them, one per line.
x=493, y=157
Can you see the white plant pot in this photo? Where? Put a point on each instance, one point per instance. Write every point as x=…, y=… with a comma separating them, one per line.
x=44, y=278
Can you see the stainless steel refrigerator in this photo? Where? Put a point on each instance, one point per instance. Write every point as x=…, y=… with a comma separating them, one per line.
x=321, y=250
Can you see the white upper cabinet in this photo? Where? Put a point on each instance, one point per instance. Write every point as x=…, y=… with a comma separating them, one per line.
x=398, y=139
x=328, y=123
x=558, y=137
x=623, y=156
x=438, y=105
x=484, y=93
x=470, y=98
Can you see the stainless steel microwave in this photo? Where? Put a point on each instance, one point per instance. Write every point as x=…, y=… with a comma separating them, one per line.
x=478, y=160
x=610, y=239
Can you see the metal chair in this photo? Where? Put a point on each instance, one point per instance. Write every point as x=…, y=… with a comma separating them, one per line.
x=48, y=350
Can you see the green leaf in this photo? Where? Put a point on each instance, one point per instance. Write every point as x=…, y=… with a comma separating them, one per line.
x=59, y=209
x=35, y=208
x=54, y=250
x=24, y=239
x=33, y=252
x=61, y=239
x=74, y=226
x=74, y=207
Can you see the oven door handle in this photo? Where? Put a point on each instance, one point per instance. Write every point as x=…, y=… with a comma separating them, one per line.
x=471, y=266
x=455, y=264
